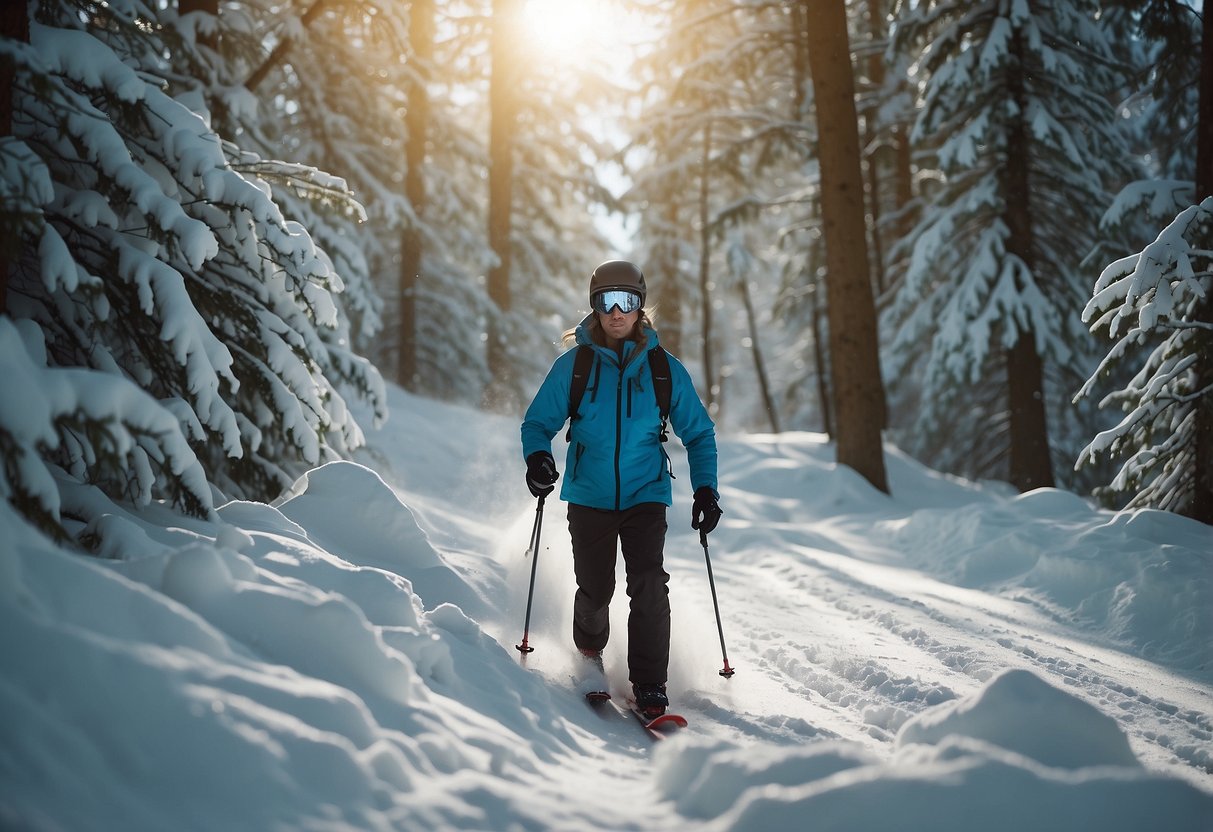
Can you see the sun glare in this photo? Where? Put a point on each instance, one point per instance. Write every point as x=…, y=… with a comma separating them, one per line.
x=565, y=30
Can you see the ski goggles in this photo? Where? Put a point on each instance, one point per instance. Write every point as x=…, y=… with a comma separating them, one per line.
x=626, y=300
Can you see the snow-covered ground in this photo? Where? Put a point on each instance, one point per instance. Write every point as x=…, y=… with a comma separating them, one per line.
x=953, y=657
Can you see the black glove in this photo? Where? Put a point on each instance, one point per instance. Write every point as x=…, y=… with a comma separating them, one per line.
x=705, y=513
x=541, y=473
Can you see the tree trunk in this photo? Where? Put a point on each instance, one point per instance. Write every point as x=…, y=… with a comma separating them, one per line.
x=1202, y=501
x=421, y=42
x=669, y=284
x=811, y=273
x=759, y=365
x=874, y=147
x=819, y=344
x=800, y=61
x=503, y=109
x=14, y=25
x=1029, y=435
x=854, y=361
x=705, y=255
x=905, y=179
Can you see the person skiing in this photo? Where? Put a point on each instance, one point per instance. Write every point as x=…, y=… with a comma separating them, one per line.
x=617, y=473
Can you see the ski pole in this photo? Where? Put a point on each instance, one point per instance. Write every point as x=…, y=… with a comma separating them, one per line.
x=525, y=648
x=727, y=671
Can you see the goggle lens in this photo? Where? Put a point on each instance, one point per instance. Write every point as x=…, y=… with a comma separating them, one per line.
x=627, y=301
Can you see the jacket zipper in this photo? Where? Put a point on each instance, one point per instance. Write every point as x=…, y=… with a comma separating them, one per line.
x=618, y=432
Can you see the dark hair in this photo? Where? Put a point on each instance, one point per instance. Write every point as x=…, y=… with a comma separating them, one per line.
x=593, y=327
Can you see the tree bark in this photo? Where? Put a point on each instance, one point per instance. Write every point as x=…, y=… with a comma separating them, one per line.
x=14, y=25
x=503, y=109
x=421, y=42
x=1029, y=435
x=854, y=360
x=904, y=177
x=1202, y=498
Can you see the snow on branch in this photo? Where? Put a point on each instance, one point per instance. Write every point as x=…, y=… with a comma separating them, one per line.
x=1156, y=296
x=175, y=326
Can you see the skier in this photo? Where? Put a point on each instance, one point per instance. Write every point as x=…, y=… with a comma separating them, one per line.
x=617, y=472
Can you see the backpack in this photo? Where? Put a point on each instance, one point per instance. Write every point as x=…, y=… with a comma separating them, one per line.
x=659, y=367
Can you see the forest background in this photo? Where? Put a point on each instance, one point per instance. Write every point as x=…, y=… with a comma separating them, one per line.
x=982, y=231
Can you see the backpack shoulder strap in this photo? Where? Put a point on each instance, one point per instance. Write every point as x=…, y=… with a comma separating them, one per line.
x=582, y=364
x=663, y=386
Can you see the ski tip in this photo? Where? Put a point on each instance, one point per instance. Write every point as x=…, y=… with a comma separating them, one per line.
x=663, y=721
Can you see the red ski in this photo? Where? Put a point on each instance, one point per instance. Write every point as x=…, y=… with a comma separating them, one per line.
x=658, y=727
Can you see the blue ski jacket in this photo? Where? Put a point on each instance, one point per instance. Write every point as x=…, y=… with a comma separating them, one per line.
x=615, y=458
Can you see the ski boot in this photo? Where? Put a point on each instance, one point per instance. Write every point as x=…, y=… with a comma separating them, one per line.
x=651, y=699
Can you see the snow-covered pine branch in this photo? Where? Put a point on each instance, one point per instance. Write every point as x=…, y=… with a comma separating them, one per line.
x=153, y=261
x=89, y=425
x=1155, y=297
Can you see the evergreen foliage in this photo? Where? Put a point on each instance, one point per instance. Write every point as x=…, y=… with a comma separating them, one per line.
x=1154, y=303
x=155, y=262
x=1154, y=299
x=205, y=214
x=722, y=103
x=966, y=298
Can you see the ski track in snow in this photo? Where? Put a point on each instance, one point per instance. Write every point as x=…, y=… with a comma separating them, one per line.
x=863, y=676
x=824, y=649
x=844, y=639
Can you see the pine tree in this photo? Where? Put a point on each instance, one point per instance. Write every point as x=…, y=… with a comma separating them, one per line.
x=543, y=190
x=161, y=296
x=359, y=89
x=722, y=148
x=1157, y=307
x=1016, y=111
x=855, y=364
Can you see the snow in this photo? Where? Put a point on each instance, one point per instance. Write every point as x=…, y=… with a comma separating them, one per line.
x=954, y=656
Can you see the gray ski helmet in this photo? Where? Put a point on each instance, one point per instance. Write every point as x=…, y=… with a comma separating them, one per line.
x=617, y=274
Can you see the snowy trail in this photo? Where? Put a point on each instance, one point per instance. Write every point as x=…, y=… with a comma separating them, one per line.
x=831, y=645
x=951, y=657
x=830, y=652
x=835, y=636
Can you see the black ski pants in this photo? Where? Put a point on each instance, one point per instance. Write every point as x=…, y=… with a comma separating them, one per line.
x=639, y=532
